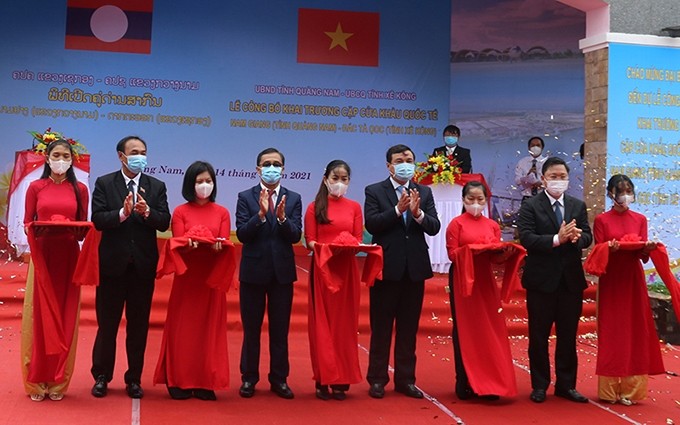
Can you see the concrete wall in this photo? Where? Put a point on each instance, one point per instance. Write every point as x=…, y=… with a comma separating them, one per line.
x=643, y=16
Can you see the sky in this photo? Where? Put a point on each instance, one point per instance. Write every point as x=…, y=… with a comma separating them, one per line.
x=499, y=24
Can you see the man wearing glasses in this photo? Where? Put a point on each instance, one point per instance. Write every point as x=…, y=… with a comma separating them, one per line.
x=268, y=223
x=398, y=213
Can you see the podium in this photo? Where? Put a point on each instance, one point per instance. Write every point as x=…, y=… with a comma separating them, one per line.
x=29, y=166
x=448, y=200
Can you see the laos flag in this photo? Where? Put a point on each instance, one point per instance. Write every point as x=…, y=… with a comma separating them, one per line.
x=109, y=25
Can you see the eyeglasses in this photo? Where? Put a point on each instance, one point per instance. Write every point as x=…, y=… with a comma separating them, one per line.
x=270, y=163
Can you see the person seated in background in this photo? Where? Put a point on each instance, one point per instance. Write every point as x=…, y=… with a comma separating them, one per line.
x=451, y=148
x=528, y=169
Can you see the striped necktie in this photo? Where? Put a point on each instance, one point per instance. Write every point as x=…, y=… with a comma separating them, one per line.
x=400, y=190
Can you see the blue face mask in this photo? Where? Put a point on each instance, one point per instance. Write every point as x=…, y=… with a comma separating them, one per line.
x=404, y=171
x=136, y=163
x=450, y=141
x=271, y=174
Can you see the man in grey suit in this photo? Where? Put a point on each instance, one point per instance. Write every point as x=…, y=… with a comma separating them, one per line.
x=554, y=229
x=398, y=213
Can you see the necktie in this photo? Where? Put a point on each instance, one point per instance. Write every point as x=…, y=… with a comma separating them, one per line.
x=400, y=190
x=271, y=193
x=131, y=189
x=558, y=212
x=534, y=189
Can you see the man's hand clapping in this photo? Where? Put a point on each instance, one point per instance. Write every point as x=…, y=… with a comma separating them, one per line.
x=569, y=232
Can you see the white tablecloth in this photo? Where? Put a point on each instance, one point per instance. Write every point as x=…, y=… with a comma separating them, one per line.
x=449, y=202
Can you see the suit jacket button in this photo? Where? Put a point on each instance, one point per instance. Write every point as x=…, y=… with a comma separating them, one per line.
x=406, y=236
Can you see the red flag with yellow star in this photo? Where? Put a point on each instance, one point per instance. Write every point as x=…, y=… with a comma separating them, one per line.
x=338, y=37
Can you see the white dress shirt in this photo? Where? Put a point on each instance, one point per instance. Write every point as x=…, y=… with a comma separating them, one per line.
x=396, y=186
x=121, y=213
x=556, y=238
x=525, y=180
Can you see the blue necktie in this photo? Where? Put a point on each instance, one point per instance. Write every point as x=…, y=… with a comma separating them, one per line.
x=400, y=190
x=534, y=189
x=558, y=212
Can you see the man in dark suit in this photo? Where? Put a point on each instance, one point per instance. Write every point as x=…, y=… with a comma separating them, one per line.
x=398, y=214
x=128, y=207
x=268, y=223
x=451, y=148
x=554, y=229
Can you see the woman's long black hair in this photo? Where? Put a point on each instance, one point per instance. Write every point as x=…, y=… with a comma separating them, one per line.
x=321, y=200
x=70, y=174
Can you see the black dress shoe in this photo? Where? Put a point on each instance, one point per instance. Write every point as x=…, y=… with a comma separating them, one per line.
x=465, y=393
x=177, y=393
x=339, y=395
x=410, y=390
x=571, y=395
x=377, y=391
x=322, y=393
x=100, y=387
x=490, y=397
x=203, y=394
x=282, y=390
x=247, y=390
x=134, y=390
x=537, y=396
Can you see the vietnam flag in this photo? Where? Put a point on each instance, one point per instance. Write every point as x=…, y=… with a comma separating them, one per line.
x=338, y=37
x=109, y=25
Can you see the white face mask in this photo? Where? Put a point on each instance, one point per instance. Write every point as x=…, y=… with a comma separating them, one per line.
x=474, y=209
x=625, y=200
x=59, y=167
x=535, y=150
x=337, y=189
x=556, y=187
x=204, y=190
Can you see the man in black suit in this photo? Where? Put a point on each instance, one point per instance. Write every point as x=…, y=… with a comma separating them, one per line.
x=268, y=223
x=460, y=154
x=128, y=207
x=398, y=214
x=554, y=229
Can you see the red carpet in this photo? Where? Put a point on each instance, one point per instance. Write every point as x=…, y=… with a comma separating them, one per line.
x=435, y=377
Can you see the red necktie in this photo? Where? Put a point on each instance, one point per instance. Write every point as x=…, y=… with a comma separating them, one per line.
x=271, y=200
